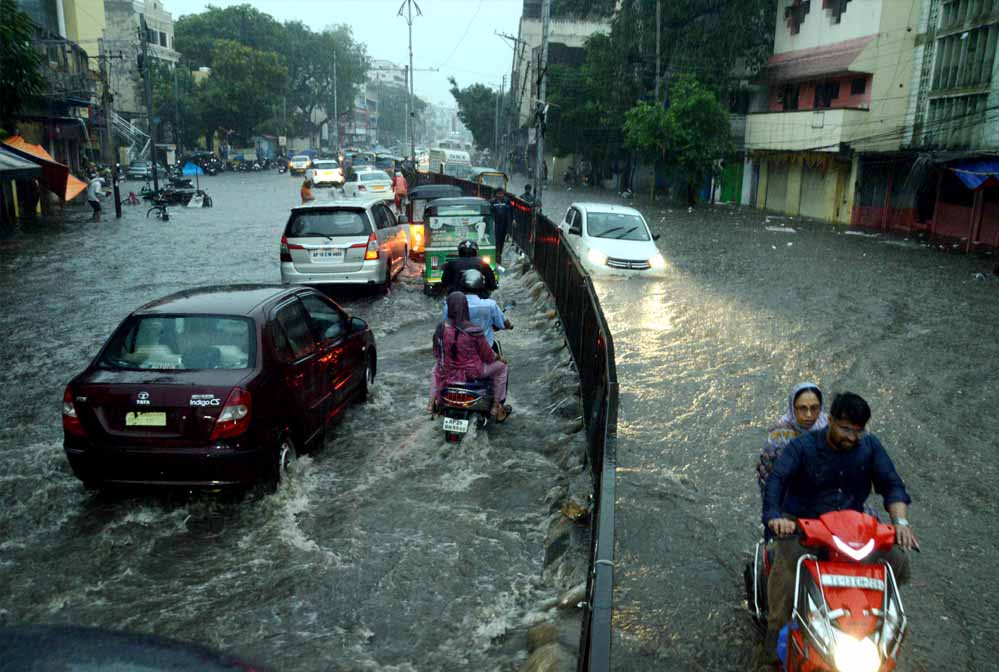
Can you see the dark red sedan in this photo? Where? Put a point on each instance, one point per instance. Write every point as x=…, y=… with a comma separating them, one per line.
x=215, y=387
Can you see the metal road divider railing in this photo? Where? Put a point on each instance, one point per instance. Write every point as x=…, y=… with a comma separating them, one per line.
x=592, y=349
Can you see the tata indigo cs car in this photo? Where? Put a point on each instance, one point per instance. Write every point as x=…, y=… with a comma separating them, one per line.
x=215, y=387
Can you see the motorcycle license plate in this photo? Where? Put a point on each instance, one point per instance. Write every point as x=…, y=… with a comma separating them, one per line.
x=455, y=425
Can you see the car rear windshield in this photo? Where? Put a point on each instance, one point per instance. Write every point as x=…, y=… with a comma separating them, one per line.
x=378, y=176
x=619, y=226
x=328, y=224
x=181, y=342
x=325, y=165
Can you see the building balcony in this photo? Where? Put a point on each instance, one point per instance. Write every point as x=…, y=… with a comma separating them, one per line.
x=65, y=69
x=807, y=130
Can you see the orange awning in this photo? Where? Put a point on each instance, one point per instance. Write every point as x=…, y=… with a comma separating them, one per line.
x=55, y=176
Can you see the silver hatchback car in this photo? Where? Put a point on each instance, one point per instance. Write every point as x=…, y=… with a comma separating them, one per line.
x=359, y=242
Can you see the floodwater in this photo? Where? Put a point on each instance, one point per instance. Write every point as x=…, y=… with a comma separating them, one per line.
x=705, y=359
x=388, y=550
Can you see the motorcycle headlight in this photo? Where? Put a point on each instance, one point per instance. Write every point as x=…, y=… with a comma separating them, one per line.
x=596, y=257
x=856, y=655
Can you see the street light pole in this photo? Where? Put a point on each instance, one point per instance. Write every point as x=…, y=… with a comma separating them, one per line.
x=539, y=166
x=407, y=5
x=336, y=114
x=144, y=38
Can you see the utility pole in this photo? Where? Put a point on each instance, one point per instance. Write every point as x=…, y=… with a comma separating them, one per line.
x=659, y=20
x=336, y=116
x=405, y=69
x=496, y=131
x=146, y=71
x=176, y=112
x=108, y=153
x=408, y=6
x=541, y=108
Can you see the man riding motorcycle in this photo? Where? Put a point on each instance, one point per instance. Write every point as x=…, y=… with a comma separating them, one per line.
x=484, y=311
x=468, y=258
x=830, y=469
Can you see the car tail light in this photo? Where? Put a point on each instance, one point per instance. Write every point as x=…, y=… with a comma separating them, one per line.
x=70, y=422
x=287, y=247
x=235, y=416
x=372, y=252
x=361, y=187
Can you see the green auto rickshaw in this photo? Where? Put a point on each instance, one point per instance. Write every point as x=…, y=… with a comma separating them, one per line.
x=448, y=222
x=417, y=200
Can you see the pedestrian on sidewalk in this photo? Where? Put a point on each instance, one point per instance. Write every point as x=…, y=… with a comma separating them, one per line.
x=502, y=218
x=94, y=189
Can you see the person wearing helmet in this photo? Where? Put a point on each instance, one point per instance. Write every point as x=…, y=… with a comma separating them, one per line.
x=468, y=258
x=484, y=312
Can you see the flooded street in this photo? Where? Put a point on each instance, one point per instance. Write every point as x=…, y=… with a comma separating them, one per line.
x=705, y=359
x=388, y=550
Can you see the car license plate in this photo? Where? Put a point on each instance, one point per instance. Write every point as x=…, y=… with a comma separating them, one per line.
x=455, y=425
x=327, y=255
x=377, y=188
x=146, y=419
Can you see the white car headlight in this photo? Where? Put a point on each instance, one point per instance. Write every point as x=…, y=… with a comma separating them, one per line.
x=657, y=261
x=856, y=655
x=596, y=257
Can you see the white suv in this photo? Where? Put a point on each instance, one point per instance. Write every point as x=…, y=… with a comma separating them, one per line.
x=355, y=242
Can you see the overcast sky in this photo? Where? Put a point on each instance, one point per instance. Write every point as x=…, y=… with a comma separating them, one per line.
x=456, y=36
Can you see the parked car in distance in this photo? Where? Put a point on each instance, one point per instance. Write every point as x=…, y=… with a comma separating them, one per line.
x=326, y=173
x=612, y=238
x=215, y=387
x=299, y=164
x=143, y=170
x=368, y=183
x=343, y=242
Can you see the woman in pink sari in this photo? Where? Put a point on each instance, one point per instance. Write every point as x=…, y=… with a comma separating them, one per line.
x=462, y=354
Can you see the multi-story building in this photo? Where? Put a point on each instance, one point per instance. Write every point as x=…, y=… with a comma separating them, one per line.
x=564, y=35
x=945, y=179
x=838, y=87
x=122, y=34
x=59, y=119
x=387, y=73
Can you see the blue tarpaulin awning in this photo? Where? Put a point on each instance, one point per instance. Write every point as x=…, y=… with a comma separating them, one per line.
x=191, y=169
x=975, y=174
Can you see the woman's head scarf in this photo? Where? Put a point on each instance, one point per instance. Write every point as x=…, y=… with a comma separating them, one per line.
x=790, y=420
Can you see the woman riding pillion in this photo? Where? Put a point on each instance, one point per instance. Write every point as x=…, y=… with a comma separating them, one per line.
x=462, y=355
x=804, y=414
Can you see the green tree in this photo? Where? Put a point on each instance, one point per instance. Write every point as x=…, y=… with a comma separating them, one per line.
x=477, y=110
x=239, y=94
x=176, y=103
x=20, y=77
x=691, y=136
x=392, y=105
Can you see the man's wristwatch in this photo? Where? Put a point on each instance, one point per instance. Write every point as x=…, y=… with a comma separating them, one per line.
x=900, y=522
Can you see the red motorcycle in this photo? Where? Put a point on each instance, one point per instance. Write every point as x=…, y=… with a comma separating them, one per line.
x=847, y=614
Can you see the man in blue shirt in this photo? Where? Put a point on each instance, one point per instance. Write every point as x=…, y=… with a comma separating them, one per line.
x=485, y=313
x=830, y=469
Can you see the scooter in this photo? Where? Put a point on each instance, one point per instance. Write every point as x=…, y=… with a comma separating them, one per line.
x=463, y=403
x=847, y=614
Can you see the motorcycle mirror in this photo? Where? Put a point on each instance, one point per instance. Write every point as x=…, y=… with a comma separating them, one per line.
x=656, y=236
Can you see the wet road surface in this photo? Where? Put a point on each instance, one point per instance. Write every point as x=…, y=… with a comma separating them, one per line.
x=705, y=359
x=388, y=550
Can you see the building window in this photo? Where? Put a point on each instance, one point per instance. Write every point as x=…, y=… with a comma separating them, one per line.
x=858, y=86
x=966, y=59
x=836, y=9
x=163, y=40
x=825, y=92
x=796, y=13
x=789, y=97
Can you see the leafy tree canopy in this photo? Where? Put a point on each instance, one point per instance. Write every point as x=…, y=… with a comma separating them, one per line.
x=392, y=101
x=20, y=78
x=477, y=110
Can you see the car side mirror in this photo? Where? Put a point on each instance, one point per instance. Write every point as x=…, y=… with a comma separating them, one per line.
x=357, y=324
x=656, y=236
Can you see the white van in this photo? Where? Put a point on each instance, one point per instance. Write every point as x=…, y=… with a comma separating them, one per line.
x=452, y=162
